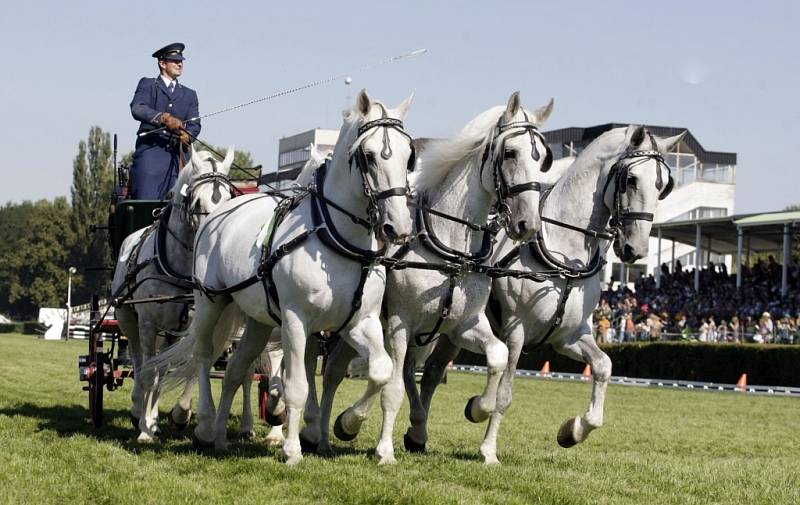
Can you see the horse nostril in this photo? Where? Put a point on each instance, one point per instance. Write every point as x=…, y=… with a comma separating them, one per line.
x=388, y=232
x=522, y=227
x=627, y=252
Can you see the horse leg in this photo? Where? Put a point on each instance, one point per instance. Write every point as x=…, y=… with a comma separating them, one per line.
x=392, y=394
x=444, y=352
x=148, y=422
x=239, y=366
x=275, y=408
x=246, y=429
x=182, y=411
x=310, y=434
x=333, y=374
x=137, y=395
x=585, y=349
x=293, y=339
x=206, y=318
x=367, y=339
x=514, y=341
x=480, y=339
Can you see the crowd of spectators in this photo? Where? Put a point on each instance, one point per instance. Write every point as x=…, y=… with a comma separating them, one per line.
x=718, y=312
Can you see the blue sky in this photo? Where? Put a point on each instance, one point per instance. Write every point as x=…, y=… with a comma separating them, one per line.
x=728, y=71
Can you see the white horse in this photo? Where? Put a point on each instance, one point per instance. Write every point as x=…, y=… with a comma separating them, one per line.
x=156, y=262
x=320, y=270
x=496, y=161
x=619, y=178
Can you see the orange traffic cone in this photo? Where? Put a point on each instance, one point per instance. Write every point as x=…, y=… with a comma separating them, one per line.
x=587, y=371
x=742, y=384
x=546, y=368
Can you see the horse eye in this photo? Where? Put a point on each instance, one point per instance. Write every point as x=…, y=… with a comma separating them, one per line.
x=509, y=154
x=370, y=157
x=631, y=182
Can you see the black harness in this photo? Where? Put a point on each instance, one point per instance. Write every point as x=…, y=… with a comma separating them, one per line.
x=323, y=225
x=458, y=263
x=619, y=216
x=166, y=273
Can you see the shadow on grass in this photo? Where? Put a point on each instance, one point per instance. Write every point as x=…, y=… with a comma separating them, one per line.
x=68, y=421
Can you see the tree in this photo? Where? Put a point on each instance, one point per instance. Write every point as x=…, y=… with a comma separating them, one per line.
x=92, y=181
x=35, y=244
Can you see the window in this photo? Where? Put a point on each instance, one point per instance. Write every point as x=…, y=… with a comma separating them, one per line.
x=292, y=157
x=701, y=213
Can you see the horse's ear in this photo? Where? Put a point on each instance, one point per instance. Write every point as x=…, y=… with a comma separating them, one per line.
x=665, y=145
x=228, y=161
x=512, y=107
x=195, y=166
x=542, y=113
x=634, y=135
x=363, y=102
x=402, y=109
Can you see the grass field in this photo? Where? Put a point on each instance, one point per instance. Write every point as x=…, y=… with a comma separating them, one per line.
x=658, y=446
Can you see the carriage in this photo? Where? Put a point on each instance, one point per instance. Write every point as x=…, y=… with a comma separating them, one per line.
x=106, y=365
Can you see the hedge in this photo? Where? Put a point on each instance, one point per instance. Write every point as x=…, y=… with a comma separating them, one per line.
x=32, y=328
x=8, y=328
x=765, y=365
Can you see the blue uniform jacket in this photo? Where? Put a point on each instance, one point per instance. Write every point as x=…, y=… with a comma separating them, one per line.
x=156, y=159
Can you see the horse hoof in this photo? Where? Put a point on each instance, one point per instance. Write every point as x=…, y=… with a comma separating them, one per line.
x=413, y=446
x=276, y=420
x=338, y=430
x=247, y=435
x=176, y=426
x=565, y=437
x=134, y=422
x=200, y=444
x=468, y=410
x=307, y=446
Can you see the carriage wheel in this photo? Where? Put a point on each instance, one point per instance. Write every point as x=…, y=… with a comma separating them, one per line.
x=97, y=380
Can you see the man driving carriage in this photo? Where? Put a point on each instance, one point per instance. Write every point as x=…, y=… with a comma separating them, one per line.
x=162, y=103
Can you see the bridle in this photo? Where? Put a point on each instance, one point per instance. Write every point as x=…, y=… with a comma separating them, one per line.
x=359, y=158
x=619, y=175
x=218, y=179
x=496, y=148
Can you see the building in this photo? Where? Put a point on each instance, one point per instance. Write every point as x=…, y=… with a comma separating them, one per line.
x=705, y=184
x=293, y=152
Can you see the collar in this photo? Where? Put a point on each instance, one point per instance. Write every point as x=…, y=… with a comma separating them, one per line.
x=166, y=80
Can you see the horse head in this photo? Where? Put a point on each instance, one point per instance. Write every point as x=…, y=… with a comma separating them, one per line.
x=638, y=179
x=514, y=161
x=202, y=186
x=380, y=155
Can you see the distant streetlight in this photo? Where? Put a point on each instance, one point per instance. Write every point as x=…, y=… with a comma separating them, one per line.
x=72, y=270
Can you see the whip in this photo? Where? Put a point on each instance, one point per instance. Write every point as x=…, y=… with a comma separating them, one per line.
x=328, y=80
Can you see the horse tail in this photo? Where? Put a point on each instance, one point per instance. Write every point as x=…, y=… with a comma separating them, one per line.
x=176, y=364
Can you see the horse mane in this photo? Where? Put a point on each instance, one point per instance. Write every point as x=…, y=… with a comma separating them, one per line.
x=606, y=145
x=440, y=156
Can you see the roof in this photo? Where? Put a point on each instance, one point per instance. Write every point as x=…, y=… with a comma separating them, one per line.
x=581, y=134
x=786, y=217
x=760, y=232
